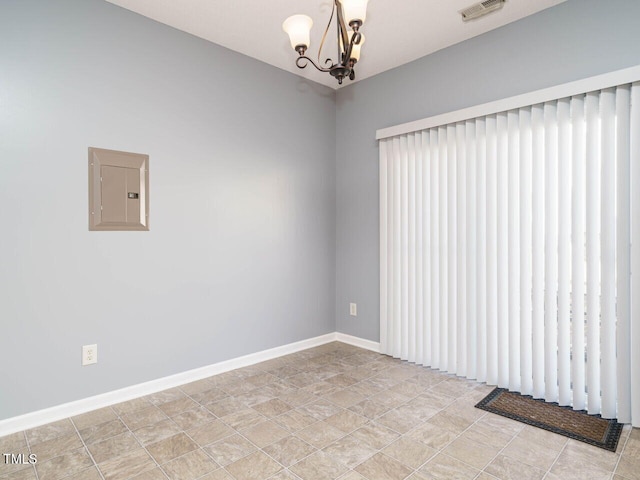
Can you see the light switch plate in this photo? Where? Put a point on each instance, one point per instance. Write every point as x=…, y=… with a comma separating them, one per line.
x=353, y=309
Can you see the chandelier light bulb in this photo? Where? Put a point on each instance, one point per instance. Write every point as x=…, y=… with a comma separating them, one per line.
x=354, y=11
x=298, y=27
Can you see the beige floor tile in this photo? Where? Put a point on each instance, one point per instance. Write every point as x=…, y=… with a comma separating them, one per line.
x=198, y=386
x=56, y=446
x=472, y=453
x=209, y=396
x=419, y=408
x=88, y=474
x=496, y=423
x=284, y=475
x=444, y=467
x=347, y=421
x=507, y=468
x=156, y=432
x=177, y=406
x=102, y=431
x=170, y=448
x=23, y=474
x=95, y=417
x=298, y=398
x=370, y=408
x=629, y=467
x=127, y=466
x=191, y=466
x=272, y=408
x=265, y=433
x=50, y=431
x=341, y=380
x=64, y=465
x=483, y=434
x=399, y=420
x=320, y=434
x=350, y=451
x=345, y=398
x=255, y=397
x=256, y=465
x=210, y=432
x=319, y=466
x=113, y=447
x=143, y=417
x=375, y=435
x=226, y=406
x=14, y=441
x=320, y=389
x=451, y=422
x=295, y=420
x=245, y=418
x=230, y=449
x=436, y=399
x=383, y=467
x=289, y=450
x=410, y=452
x=320, y=410
x=165, y=396
x=352, y=476
x=433, y=436
x=18, y=460
x=588, y=455
x=131, y=406
x=536, y=455
x=408, y=389
x=193, y=418
x=155, y=474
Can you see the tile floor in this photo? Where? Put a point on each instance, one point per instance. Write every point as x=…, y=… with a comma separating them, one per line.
x=331, y=412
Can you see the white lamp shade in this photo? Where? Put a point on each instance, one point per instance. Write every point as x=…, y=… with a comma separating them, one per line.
x=354, y=10
x=355, y=52
x=298, y=28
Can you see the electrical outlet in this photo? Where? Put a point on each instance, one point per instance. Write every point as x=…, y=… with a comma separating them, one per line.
x=353, y=309
x=89, y=354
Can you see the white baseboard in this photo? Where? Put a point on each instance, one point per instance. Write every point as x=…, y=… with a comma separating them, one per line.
x=358, y=342
x=59, y=412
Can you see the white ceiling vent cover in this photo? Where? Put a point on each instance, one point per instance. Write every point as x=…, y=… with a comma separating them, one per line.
x=481, y=8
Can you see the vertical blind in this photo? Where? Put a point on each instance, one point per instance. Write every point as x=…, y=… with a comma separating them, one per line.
x=505, y=249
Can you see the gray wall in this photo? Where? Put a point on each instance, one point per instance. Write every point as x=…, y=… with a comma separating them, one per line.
x=576, y=39
x=241, y=252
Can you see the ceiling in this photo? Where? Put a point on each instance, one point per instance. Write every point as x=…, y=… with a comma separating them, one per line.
x=397, y=31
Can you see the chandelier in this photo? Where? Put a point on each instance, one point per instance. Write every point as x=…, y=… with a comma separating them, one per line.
x=347, y=12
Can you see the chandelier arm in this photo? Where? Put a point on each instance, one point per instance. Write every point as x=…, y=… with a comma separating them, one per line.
x=307, y=59
x=355, y=40
x=343, y=38
x=324, y=35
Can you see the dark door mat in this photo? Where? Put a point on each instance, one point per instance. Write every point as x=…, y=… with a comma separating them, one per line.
x=576, y=424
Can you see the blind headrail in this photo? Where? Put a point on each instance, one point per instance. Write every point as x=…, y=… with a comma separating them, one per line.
x=578, y=87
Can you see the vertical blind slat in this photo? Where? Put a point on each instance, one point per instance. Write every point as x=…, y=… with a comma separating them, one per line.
x=607, y=255
x=481, y=250
x=593, y=251
x=526, y=334
x=623, y=279
x=578, y=251
x=472, y=241
x=461, y=252
x=537, y=249
x=564, y=252
x=513, y=204
x=635, y=252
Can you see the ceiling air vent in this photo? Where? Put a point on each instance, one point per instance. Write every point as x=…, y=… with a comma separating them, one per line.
x=481, y=8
